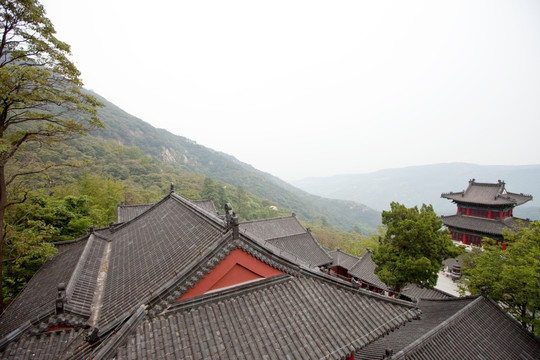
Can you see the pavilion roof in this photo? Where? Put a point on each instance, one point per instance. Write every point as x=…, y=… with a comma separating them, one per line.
x=483, y=225
x=487, y=194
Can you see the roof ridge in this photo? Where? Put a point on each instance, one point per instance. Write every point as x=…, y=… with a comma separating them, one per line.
x=67, y=242
x=124, y=224
x=451, y=297
x=354, y=287
x=454, y=298
x=520, y=194
x=287, y=236
x=180, y=199
x=70, y=286
x=190, y=204
x=275, y=250
x=271, y=219
x=346, y=253
x=104, y=351
x=319, y=244
x=513, y=320
x=135, y=205
x=436, y=329
x=226, y=293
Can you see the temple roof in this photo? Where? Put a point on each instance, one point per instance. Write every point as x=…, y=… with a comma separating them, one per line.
x=126, y=213
x=364, y=269
x=487, y=194
x=267, y=229
x=207, y=205
x=129, y=278
x=287, y=234
x=111, y=270
x=305, y=247
x=343, y=259
x=417, y=293
x=458, y=329
x=483, y=225
x=124, y=287
x=433, y=314
x=280, y=318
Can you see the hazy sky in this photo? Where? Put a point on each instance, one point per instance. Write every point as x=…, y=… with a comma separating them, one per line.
x=318, y=88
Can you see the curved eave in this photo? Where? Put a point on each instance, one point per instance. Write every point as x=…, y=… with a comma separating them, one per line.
x=482, y=225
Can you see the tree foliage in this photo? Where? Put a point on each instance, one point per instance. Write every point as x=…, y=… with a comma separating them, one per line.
x=510, y=276
x=332, y=238
x=413, y=247
x=214, y=191
x=41, y=99
x=32, y=227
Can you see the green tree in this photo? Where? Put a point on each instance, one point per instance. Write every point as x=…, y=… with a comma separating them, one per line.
x=510, y=276
x=104, y=196
x=30, y=229
x=214, y=191
x=413, y=247
x=41, y=100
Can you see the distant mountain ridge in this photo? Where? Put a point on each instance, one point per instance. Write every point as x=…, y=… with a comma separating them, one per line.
x=195, y=158
x=424, y=184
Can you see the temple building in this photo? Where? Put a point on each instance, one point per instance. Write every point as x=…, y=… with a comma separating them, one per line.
x=483, y=210
x=177, y=280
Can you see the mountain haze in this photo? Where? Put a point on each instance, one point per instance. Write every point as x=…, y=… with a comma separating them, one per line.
x=195, y=158
x=424, y=184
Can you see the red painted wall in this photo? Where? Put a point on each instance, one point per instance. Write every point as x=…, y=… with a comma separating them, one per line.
x=237, y=268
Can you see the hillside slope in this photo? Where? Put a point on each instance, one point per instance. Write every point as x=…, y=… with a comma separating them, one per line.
x=195, y=158
x=425, y=184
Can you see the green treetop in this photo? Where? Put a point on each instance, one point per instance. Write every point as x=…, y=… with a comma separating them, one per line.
x=413, y=247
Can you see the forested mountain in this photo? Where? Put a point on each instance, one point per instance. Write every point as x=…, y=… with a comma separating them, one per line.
x=425, y=184
x=190, y=157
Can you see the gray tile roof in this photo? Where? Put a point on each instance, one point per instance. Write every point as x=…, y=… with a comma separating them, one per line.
x=416, y=293
x=125, y=281
x=364, y=269
x=343, y=259
x=128, y=212
x=483, y=225
x=59, y=345
x=480, y=330
x=305, y=247
x=433, y=314
x=278, y=318
x=268, y=229
x=487, y=194
x=109, y=272
x=206, y=205
x=39, y=296
x=147, y=253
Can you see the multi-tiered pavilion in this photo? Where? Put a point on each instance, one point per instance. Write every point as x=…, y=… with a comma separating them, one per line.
x=483, y=210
